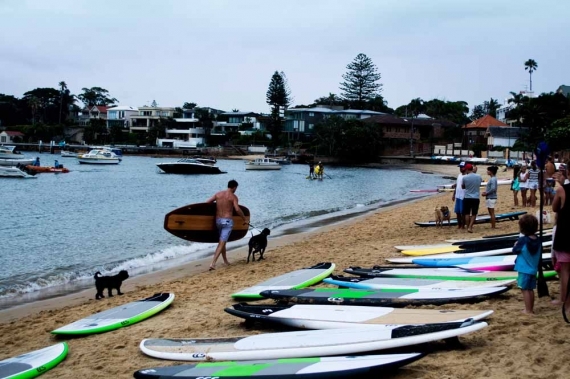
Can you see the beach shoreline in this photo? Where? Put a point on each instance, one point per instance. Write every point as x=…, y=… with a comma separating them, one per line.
x=514, y=345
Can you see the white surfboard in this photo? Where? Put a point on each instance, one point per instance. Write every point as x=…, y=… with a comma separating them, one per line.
x=412, y=283
x=292, y=280
x=118, y=317
x=486, y=253
x=303, y=343
x=313, y=316
x=32, y=364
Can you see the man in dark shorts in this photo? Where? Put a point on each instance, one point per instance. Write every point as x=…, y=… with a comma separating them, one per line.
x=226, y=202
x=471, y=185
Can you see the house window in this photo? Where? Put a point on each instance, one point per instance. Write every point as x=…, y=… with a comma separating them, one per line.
x=234, y=120
x=311, y=114
x=146, y=113
x=3, y=139
x=121, y=114
x=311, y=126
x=389, y=129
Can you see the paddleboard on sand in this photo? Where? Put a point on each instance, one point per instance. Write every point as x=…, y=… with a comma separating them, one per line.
x=439, y=273
x=419, y=284
x=118, y=317
x=291, y=368
x=197, y=223
x=493, y=263
x=479, y=220
x=483, y=245
x=460, y=254
x=382, y=297
x=300, y=344
x=293, y=280
x=34, y=363
x=305, y=316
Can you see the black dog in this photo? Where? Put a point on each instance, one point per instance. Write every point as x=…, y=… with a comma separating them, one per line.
x=109, y=282
x=257, y=244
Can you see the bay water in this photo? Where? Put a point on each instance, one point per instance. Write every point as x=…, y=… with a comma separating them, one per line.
x=57, y=230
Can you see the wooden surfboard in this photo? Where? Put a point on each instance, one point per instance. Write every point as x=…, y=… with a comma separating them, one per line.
x=197, y=223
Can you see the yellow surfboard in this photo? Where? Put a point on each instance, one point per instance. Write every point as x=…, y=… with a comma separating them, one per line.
x=432, y=250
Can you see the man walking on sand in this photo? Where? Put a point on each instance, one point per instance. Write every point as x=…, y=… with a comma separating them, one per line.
x=471, y=185
x=458, y=196
x=226, y=202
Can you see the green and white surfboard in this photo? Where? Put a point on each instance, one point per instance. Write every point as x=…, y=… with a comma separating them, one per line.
x=118, y=317
x=291, y=368
x=293, y=280
x=32, y=364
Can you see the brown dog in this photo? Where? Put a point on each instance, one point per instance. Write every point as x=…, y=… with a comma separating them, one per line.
x=442, y=214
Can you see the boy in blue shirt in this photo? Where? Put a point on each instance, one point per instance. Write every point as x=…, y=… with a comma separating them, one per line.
x=528, y=249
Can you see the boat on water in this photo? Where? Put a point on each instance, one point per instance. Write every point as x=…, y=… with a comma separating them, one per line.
x=281, y=161
x=262, y=164
x=68, y=154
x=39, y=169
x=14, y=172
x=99, y=156
x=10, y=157
x=15, y=162
x=189, y=166
x=205, y=160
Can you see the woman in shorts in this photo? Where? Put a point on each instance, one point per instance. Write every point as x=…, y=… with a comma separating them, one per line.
x=523, y=177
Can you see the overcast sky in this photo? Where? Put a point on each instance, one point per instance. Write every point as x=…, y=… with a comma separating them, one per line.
x=222, y=53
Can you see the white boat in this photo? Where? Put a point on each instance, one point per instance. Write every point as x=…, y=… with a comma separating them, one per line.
x=15, y=162
x=99, y=156
x=9, y=152
x=68, y=154
x=262, y=164
x=14, y=172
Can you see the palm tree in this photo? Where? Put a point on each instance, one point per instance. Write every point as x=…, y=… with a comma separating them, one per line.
x=531, y=66
x=62, y=88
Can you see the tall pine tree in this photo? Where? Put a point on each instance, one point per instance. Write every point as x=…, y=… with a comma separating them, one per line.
x=278, y=97
x=360, y=82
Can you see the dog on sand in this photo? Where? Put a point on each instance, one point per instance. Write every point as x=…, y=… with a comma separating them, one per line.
x=441, y=214
x=257, y=244
x=109, y=282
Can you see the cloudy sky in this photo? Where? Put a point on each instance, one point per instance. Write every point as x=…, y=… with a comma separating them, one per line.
x=222, y=53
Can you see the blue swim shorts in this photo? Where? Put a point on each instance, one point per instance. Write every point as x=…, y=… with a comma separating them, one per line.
x=225, y=226
x=526, y=282
x=458, y=206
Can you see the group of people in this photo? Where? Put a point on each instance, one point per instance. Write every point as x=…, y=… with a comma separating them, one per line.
x=529, y=246
x=467, y=197
x=316, y=171
x=526, y=181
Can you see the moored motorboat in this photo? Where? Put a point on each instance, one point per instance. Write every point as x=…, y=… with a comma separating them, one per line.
x=14, y=172
x=9, y=152
x=99, y=156
x=262, y=164
x=189, y=166
x=68, y=154
x=15, y=162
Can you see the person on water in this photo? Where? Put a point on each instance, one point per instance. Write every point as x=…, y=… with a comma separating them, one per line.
x=226, y=202
x=311, y=170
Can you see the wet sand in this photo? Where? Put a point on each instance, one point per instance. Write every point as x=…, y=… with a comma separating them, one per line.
x=513, y=346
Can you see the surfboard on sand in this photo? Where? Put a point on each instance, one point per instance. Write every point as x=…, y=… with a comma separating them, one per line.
x=34, y=363
x=439, y=273
x=313, y=316
x=479, y=220
x=307, y=343
x=292, y=280
x=197, y=223
x=406, y=283
x=382, y=297
x=292, y=368
x=118, y=317
x=492, y=263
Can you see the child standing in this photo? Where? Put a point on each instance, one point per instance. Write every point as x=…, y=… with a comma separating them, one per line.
x=528, y=249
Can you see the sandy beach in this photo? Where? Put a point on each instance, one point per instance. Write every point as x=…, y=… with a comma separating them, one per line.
x=513, y=346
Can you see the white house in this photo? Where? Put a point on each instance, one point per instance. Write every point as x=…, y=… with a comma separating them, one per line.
x=121, y=116
x=9, y=137
x=184, y=132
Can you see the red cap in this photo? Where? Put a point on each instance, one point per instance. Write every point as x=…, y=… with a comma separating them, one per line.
x=469, y=166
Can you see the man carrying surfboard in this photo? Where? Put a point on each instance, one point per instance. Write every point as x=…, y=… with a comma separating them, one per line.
x=226, y=202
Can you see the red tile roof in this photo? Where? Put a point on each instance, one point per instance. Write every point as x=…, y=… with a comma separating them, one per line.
x=484, y=122
x=101, y=108
x=14, y=134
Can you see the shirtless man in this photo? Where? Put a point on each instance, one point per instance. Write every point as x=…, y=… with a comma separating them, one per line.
x=226, y=201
